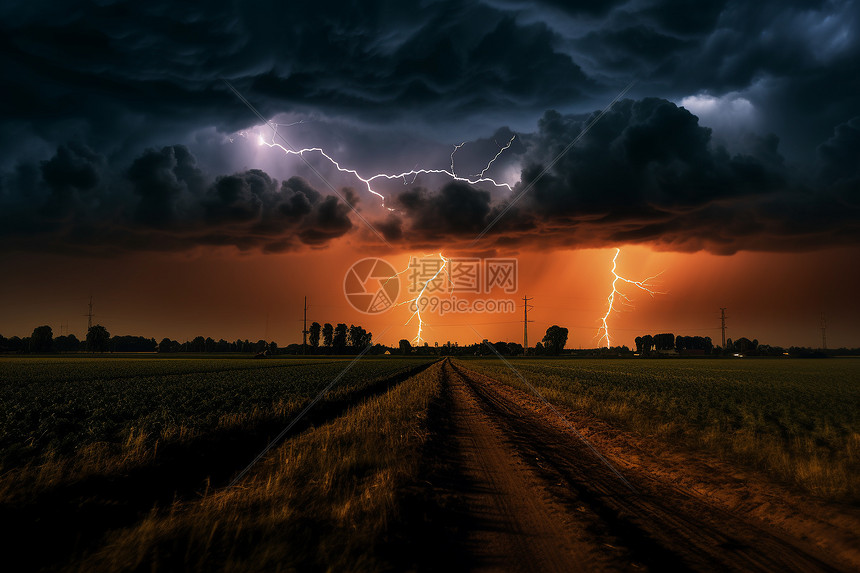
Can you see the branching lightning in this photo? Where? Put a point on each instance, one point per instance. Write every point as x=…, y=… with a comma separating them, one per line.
x=367, y=181
x=481, y=177
x=414, y=173
x=417, y=300
x=644, y=284
x=501, y=150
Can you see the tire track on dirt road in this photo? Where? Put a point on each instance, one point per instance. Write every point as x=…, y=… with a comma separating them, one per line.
x=543, y=501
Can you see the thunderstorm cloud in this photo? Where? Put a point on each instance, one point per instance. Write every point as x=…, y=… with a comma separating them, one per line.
x=742, y=131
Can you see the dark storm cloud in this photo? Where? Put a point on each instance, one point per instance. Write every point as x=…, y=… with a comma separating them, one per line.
x=648, y=172
x=162, y=201
x=124, y=71
x=97, y=95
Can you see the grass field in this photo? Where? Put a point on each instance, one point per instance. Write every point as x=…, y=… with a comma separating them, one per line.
x=96, y=446
x=60, y=406
x=798, y=420
x=132, y=454
x=326, y=501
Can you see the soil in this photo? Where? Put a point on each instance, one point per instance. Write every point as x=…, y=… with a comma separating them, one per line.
x=527, y=486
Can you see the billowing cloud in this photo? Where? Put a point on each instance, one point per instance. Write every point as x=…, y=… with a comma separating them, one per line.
x=648, y=172
x=116, y=119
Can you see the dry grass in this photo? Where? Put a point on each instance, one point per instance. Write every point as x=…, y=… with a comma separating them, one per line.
x=798, y=421
x=138, y=449
x=324, y=500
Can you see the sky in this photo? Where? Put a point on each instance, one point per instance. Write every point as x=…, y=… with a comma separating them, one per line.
x=716, y=145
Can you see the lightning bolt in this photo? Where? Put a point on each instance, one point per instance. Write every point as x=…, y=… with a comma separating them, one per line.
x=417, y=314
x=502, y=150
x=612, y=298
x=368, y=181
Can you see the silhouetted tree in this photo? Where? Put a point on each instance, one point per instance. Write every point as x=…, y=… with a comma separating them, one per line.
x=405, y=346
x=647, y=344
x=98, y=338
x=664, y=341
x=314, y=335
x=555, y=339
x=539, y=350
x=501, y=347
x=42, y=339
x=745, y=345
x=339, y=338
x=328, y=335
x=17, y=344
x=68, y=343
x=132, y=344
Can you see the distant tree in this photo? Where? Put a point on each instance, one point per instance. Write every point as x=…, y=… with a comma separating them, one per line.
x=358, y=337
x=639, y=344
x=98, y=339
x=222, y=346
x=501, y=347
x=273, y=347
x=745, y=345
x=42, y=339
x=68, y=343
x=405, y=346
x=555, y=339
x=166, y=345
x=132, y=344
x=664, y=341
x=328, y=335
x=339, y=338
x=261, y=346
x=539, y=350
x=647, y=344
x=314, y=335
x=16, y=344
x=197, y=345
x=515, y=348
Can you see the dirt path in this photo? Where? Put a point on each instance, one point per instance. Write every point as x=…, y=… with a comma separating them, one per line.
x=534, y=498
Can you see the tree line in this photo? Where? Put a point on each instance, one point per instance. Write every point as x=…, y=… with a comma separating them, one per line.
x=338, y=339
x=342, y=339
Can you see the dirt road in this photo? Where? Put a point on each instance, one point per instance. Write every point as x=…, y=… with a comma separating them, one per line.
x=533, y=497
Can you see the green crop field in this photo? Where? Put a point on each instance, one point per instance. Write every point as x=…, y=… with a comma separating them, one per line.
x=798, y=420
x=65, y=407
x=119, y=459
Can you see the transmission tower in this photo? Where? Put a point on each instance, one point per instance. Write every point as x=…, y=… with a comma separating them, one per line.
x=526, y=321
x=723, y=325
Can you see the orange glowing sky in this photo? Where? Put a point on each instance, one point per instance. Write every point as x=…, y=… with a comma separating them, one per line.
x=777, y=298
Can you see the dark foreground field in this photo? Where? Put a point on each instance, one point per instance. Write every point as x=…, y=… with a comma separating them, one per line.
x=411, y=464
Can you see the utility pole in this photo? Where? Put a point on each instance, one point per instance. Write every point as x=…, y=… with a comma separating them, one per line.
x=526, y=321
x=823, y=331
x=723, y=325
x=305, y=328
